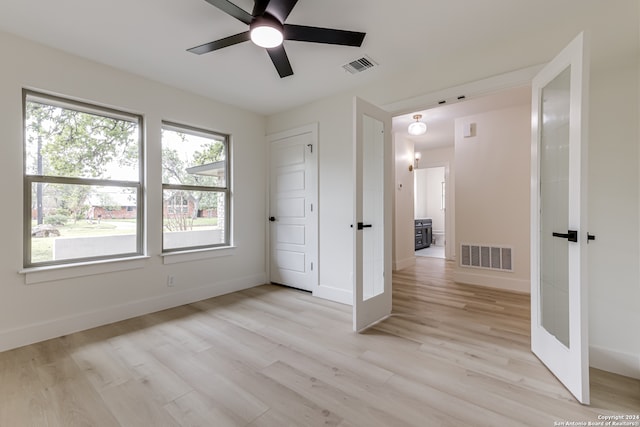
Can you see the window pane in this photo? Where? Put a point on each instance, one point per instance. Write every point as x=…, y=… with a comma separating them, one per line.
x=193, y=219
x=193, y=159
x=63, y=142
x=81, y=221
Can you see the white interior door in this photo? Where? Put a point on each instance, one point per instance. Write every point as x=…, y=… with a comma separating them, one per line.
x=559, y=335
x=293, y=233
x=372, y=215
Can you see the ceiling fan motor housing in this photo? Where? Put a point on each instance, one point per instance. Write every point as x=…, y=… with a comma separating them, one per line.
x=266, y=31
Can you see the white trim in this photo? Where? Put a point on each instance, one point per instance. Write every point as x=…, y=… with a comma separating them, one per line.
x=474, y=89
x=196, y=254
x=404, y=263
x=334, y=294
x=626, y=364
x=493, y=281
x=41, y=331
x=70, y=271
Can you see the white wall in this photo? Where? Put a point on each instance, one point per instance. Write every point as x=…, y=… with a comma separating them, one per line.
x=53, y=307
x=492, y=192
x=614, y=219
x=404, y=230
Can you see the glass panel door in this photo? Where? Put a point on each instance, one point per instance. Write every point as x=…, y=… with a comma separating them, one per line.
x=554, y=206
x=373, y=191
x=559, y=322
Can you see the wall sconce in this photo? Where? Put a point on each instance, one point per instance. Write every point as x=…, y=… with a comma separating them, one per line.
x=418, y=156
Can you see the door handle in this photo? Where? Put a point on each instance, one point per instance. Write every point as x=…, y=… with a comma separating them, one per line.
x=571, y=235
x=361, y=226
x=272, y=218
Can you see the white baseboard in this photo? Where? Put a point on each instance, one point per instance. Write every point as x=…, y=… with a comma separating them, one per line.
x=614, y=361
x=492, y=281
x=42, y=331
x=404, y=263
x=334, y=294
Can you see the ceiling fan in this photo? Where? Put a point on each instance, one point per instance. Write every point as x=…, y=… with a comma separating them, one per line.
x=267, y=29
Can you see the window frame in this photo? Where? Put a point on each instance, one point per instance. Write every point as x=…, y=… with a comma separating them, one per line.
x=29, y=180
x=226, y=190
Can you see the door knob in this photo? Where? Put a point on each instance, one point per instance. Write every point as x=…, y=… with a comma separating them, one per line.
x=571, y=235
x=272, y=218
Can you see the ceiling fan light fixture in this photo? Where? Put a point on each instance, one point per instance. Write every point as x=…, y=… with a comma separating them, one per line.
x=266, y=31
x=417, y=128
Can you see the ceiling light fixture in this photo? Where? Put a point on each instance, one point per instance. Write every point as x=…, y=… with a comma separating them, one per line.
x=266, y=31
x=417, y=128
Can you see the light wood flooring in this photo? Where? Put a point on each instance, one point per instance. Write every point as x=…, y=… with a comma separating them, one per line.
x=451, y=355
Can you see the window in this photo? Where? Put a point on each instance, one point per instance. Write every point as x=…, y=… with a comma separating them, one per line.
x=195, y=188
x=82, y=182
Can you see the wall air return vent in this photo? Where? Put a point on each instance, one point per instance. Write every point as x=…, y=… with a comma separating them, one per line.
x=486, y=256
x=359, y=65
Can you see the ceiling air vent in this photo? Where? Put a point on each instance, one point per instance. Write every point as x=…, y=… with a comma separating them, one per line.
x=359, y=65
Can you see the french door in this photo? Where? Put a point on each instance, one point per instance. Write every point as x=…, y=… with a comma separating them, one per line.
x=372, y=227
x=559, y=333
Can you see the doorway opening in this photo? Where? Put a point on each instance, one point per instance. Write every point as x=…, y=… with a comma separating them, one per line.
x=449, y=143
x=429, y=206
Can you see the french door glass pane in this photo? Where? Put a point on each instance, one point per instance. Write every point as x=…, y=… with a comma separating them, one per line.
x=554, y=207
x=373, y=207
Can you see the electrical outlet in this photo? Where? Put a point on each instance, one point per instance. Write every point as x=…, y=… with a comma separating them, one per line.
x=171, y=281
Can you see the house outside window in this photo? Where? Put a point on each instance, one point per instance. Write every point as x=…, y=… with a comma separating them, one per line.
x=195, y=187
x=83, y=182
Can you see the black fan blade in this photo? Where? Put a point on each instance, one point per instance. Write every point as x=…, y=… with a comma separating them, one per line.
x=280, y=60
x=281, y=8
x=303, y=33
x=219, y=44
x=231, y=9
x=260, y=7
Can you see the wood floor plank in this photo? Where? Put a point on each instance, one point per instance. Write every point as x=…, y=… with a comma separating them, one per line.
x=196, y=410
x=347, y=406
x=450, y=355
x=285, y=404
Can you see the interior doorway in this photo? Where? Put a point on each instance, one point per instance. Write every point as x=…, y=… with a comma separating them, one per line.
x=429, y=197
x=444, y=141
x=293, y=208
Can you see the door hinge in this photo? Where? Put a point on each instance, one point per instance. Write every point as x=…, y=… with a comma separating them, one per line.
x=311, y=207
x=311, y=266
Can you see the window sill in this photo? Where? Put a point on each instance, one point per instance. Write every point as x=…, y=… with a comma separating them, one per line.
x=196, y=254
x=70, y=271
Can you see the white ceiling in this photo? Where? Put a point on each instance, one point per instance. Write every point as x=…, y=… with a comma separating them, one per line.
x=150, y=38
x=440, y=120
